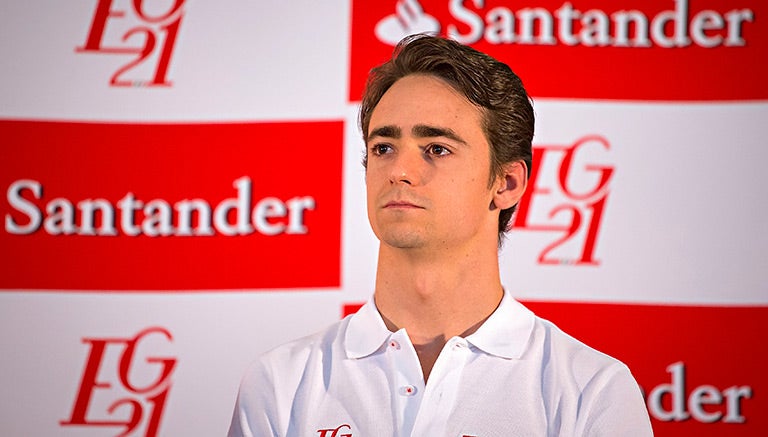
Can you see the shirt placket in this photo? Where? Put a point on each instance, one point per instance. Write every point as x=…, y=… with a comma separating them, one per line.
x=441, y=390
x=406, y=379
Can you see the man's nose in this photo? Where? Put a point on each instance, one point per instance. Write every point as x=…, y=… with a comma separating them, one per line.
x=408, y=167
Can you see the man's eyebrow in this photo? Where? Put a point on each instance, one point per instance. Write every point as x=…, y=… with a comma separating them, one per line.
x=425, y=131
x=386, y=132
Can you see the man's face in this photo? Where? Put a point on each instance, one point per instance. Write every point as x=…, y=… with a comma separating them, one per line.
x=428, y=168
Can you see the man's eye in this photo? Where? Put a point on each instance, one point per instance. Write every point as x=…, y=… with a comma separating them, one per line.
x=437, y=149
x=381, y=149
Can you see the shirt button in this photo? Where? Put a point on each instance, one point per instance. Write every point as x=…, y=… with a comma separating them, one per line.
x=407, y=390
x=394, y=344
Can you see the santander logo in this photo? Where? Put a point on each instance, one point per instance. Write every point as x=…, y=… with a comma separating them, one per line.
x=585, y=49
x=170, y=206
x=571, y=24
x=409, y=18
x=132, y=216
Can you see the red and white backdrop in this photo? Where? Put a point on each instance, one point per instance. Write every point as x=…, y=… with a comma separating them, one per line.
x=182, y=190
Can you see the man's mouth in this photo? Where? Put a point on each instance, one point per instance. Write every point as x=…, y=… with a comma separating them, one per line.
x=395, y=204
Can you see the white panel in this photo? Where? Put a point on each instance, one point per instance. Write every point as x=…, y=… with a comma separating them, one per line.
x=215, y=336
x=683, y=221
x=239, y=60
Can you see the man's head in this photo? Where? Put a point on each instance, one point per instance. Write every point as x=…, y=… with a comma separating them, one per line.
x=508, y=119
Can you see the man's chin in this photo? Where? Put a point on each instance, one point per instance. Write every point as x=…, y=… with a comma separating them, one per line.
x=403, y=240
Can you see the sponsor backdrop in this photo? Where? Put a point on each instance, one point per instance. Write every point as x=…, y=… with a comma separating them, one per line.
x=182, y=190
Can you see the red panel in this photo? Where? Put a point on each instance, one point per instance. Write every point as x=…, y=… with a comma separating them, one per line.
x=292, y=171
x=676, y=350
x=350, y=309
x=567, y=66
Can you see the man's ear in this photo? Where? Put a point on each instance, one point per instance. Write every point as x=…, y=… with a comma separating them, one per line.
x=510, y=187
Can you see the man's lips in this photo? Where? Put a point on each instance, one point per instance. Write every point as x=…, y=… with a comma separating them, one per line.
x=401, y=204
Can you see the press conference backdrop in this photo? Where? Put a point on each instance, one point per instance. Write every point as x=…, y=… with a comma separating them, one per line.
x=182, y=190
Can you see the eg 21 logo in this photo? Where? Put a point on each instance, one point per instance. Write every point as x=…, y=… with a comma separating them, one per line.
x=124, y=384
x=146, y=30
x=567, y=194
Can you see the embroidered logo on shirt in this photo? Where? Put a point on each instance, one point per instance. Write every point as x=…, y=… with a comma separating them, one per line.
x=334, y=432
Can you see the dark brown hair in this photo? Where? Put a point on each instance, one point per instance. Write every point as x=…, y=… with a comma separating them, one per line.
x=508, y=119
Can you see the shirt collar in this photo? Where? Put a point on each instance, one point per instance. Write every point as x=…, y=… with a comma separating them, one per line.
x=505, y=333
x=366, y=331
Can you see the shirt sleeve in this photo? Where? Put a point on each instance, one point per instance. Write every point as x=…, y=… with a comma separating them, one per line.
x=614, y=405
x=255, y=410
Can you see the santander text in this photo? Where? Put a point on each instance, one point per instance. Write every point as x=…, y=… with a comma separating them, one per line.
x=188, y=217
x=676, y=27
x=671, y=401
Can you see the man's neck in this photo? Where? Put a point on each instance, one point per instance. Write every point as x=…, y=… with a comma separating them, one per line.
x=436, y=297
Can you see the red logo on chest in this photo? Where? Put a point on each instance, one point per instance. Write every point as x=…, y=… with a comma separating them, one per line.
x=335, y=432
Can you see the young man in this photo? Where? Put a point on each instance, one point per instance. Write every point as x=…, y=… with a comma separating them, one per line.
x=441, y=349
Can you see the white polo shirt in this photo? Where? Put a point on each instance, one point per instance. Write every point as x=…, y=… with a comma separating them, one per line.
x=517, y=375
